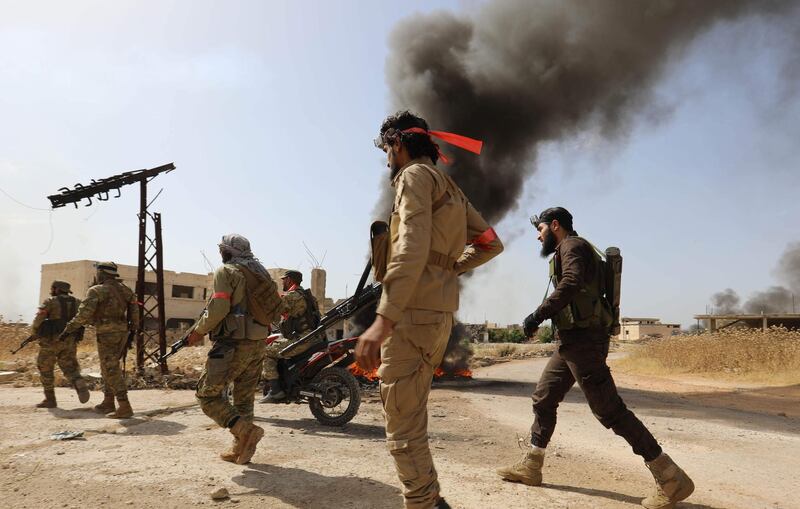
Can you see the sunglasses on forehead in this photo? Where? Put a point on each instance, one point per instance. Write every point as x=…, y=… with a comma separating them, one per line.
x=536, y=221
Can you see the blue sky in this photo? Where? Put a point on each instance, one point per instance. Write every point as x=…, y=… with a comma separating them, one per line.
x=268, y=110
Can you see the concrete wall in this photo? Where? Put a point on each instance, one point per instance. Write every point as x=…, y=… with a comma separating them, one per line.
x=185, y=293
x=636, y=331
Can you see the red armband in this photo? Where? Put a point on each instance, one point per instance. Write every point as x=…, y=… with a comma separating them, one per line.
x=221, y=295
x=483, y=240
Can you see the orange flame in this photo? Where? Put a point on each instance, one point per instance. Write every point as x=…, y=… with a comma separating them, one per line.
x=356, y=370
x=465, y=373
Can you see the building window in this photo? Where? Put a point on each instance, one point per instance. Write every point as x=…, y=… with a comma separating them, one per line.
x=150, y=288
x=183, y=292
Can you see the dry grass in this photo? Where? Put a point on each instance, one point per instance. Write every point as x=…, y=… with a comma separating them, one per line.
x=767, y=357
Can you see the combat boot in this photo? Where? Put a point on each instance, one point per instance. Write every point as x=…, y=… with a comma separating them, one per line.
x=123, y=411
x=232, y=453
x=248, y=435
x=49, y=400
x=527, y=471
x=672, y=484
x=107, y=406
x=82, y=390
x=441, y=503
x=275, y=394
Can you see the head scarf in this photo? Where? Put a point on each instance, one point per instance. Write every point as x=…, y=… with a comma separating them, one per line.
x=239, y=247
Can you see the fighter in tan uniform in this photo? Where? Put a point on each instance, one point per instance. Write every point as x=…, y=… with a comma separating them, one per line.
x=52, y=317
x=436, y=234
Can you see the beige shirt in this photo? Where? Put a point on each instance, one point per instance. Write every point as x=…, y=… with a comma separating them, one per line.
x=429, y=249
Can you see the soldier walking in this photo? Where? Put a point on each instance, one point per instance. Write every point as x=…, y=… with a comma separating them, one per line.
x=49, y=323
x=112, y=308
x=582, y=318
x=299, y=315
x=436, y=235
x=238, y=318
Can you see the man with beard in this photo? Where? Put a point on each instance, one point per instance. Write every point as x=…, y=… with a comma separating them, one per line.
x=435, y=235
x=244, y=302
x=299, y=315
x=581, y=317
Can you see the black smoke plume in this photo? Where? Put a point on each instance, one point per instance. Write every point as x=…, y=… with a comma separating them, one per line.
x=725, y=302
x=775, y=299
x=517, y=73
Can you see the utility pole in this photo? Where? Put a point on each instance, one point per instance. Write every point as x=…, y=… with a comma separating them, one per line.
x=151, y=341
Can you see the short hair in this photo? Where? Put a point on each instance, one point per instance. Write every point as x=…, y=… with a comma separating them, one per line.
x=417, y=144
x=560, y=214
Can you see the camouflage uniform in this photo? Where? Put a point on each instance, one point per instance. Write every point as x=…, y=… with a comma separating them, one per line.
x=112, y=308
x=238, y=351
x=293, y=326
x=59, y=308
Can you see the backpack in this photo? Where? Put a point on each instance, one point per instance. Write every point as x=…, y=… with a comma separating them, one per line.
x=313, y=317
x=263, y=301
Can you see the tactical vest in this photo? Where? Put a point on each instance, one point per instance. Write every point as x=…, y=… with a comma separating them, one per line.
x=295, y=326
x=52, y=327
x=589, y=309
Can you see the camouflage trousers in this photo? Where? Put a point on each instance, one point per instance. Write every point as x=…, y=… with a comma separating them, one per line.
x=109, y=349
x=409, y=357
x=273, y=354
x=230, y=360
x=63, y=353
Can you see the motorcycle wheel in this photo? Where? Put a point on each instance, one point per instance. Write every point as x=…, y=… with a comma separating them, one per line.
x=340, y=397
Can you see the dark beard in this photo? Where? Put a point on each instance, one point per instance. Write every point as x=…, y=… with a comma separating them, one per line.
x=226, y=256
x=548, y=246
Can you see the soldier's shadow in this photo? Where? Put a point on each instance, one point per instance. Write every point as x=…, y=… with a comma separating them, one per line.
x=301, y=488
x=619, y=497
x=313, y=427
x=75, y=413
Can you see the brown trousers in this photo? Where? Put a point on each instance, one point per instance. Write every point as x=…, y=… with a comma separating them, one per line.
x=585, y=362
x=409, y=357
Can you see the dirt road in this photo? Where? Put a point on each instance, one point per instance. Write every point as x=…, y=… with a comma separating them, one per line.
x=740, y=452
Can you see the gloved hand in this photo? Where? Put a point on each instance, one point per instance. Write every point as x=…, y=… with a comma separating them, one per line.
x=530, y=325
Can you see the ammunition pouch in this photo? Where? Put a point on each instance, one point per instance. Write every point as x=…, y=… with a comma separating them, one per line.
x=233, y=326
x=220, y=360
x=589, y=309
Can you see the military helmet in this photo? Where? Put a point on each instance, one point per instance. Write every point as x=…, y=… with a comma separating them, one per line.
x=295, y=275
x=62, y=286
x=108, y=268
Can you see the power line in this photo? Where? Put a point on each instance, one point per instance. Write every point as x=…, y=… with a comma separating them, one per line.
x=20, y=203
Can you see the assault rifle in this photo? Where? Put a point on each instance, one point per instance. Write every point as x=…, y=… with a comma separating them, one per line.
x=184, y=341
x=29, y=339
x=174, y=347
x=363, y=297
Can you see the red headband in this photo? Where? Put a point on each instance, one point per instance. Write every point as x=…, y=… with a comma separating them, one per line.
x=459, y=141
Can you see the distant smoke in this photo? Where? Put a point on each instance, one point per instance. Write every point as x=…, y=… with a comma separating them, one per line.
x=775, y=299
x=725, y=302
x=519, y=73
